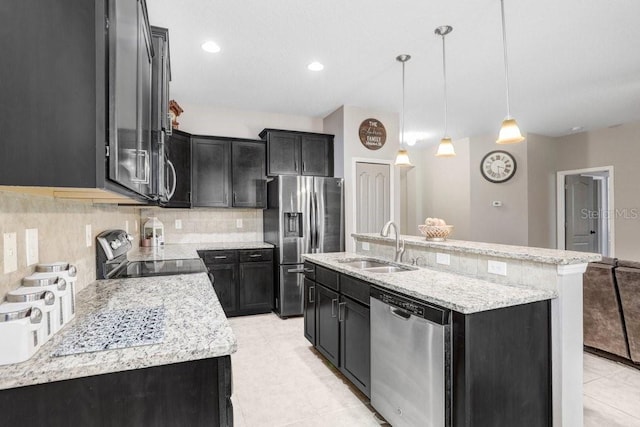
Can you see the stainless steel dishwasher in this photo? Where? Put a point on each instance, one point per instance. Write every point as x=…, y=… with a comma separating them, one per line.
x=410, y=349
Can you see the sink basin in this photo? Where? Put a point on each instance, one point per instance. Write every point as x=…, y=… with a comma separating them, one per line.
x=366, y=264
x=387, y=269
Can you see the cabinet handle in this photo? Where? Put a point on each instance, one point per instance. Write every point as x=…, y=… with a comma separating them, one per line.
x=234, y=197
x=304, y=167
x=295, y=166
x=255, y=256
x=220, y=257
x=341, y=311
x=308, y=270
x=334, y=304
x=311, y=292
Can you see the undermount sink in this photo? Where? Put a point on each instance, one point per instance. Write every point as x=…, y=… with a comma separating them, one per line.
x=375, y=266
x=366, y=264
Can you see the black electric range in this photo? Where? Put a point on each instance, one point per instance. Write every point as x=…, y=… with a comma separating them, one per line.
x=112, y=263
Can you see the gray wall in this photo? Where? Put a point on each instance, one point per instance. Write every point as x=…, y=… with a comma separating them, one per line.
x=618, y=147
x=541, y=190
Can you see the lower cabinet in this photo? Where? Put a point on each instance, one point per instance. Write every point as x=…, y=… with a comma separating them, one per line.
x=242, y=279
x=337, y=323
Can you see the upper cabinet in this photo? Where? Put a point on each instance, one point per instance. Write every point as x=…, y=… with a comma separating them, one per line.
x=178, y=148
x=298, y=153
x=228, y=172
x=76, y=98
x=160, y=120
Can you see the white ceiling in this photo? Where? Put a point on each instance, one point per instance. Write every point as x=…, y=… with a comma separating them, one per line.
x=571, y=62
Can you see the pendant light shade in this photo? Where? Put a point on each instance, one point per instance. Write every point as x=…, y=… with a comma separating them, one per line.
x=402, y=158
x=445, y=149
x=509, y=131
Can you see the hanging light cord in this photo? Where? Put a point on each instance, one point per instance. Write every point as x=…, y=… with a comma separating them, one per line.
x=444, y=73
x=506, y=65
x=402, y=127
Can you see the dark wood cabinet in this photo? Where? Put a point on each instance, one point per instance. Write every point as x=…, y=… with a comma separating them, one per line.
x=355, y=345
x=309, y=311
x=248, y=181
x=210, y=172
x=160, y=80
x=242, y=279
x=228, y=172
x=298, y=153
x=76, y=97
x=178, y=148
x=327, y=327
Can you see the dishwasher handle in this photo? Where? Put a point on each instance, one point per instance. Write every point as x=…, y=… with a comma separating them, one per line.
x=399, y=313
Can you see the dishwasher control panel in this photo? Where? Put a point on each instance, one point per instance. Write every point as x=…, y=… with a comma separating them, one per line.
x=412, y=306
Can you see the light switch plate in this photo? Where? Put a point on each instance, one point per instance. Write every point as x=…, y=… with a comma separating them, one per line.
x=10, y=252
x=239, y=223
x=444, y=259
x=497, y=267
x=31, y=237
x=178, y=224
x=88, y=235
x=365, y=246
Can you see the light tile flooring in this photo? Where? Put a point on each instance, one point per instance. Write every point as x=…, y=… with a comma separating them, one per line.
x=280, y=380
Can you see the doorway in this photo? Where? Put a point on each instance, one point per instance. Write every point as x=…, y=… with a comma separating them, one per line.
x=585, y=210
x=373, y=196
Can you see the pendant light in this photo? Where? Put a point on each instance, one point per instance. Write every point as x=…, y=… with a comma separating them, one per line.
x=509, y=131
x=402, y=158
x=445, y=149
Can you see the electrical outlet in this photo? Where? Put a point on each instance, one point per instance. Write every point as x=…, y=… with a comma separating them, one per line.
x=497, y=267
x=126, y=226
x=31, y=237
x=88, y=235
x=444, y=259
x=365, y=246
x=10, y=253
x=178, y=224
x=239, y=223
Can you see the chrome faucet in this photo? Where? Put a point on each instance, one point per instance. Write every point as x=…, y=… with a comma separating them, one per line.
x=385, y=233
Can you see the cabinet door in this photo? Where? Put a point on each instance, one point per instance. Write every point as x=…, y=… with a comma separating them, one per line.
x=224, y=283
x=317, y=155
x=160, y=81
x=355, y=346
x=130, y=89
x=248, y=174
x=283, y=154
x=310, y=311
x=256, y=287
x=210, y=173
x=327, y=328
x=179, y=170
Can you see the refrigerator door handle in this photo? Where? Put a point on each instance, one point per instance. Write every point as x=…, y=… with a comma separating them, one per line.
x=312, y=221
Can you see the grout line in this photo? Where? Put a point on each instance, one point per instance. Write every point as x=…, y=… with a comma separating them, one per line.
x=613, y=407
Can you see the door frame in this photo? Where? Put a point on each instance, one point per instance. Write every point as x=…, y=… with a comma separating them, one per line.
x=560, y=205
x=354, y=178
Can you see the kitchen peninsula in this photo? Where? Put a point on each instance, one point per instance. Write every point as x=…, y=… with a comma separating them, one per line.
x=520, y=268
x=186, y=378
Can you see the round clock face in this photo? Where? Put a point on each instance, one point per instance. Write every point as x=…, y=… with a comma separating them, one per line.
x=498, y=166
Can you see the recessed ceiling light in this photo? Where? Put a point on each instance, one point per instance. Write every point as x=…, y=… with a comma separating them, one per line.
x=211, y=47
x=315, y=66
x=576, y=129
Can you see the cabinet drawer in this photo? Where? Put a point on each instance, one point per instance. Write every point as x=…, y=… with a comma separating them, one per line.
x=327, y=277
x=354, y=288
x=255, y=255
x=309, y=270
x=220, y=257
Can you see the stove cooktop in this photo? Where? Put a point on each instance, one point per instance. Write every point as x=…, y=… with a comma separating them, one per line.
x=168, y=267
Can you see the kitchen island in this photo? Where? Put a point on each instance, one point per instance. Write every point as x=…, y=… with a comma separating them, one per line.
x=186, y=378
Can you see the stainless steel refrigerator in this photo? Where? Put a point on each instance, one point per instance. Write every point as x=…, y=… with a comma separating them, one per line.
x=305, y=214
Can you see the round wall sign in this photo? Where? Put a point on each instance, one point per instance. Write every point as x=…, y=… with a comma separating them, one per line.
x=372, y=134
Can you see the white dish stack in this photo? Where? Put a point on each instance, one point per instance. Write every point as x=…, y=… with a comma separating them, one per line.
x=20, y=332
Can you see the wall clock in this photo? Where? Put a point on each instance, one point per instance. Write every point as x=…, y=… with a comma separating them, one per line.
x=498, y=166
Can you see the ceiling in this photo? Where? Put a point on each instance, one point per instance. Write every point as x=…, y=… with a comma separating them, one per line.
x=572, y=63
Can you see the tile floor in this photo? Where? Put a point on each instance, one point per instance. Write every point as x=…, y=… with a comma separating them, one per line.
x=280, y=380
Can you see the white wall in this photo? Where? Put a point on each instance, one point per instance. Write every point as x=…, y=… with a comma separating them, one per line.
x=347, y=130
x=206, y=120
x=541, y=190
x=334, y=124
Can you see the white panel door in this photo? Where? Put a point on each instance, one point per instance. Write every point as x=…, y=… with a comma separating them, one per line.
x=581, y=214
x=372, y=196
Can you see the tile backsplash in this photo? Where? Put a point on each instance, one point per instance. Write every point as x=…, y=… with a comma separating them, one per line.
x=61, y=226
x=201, y=225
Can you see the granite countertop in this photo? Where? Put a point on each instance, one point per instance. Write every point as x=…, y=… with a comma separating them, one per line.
x=524, y=253
x=195, y=327
x=456, y=292
x=188, y=250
